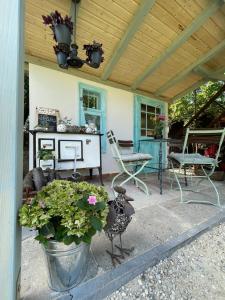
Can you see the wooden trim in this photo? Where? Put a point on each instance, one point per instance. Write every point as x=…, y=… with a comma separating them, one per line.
x=74, y=72
x=206, y=57
x=11, y=145
x=182, y=38
x=135, y=23
x=204, y=72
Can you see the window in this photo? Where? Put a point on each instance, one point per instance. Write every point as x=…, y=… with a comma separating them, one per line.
x=148, y=117
x=93, y=109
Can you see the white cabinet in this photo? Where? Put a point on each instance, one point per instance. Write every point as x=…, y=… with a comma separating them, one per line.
x=86, y=148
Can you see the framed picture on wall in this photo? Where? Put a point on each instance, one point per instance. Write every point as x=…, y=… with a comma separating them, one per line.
x=46, y=144
x=69, y=149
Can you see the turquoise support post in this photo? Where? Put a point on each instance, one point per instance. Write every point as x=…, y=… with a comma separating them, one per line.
x=11, y=144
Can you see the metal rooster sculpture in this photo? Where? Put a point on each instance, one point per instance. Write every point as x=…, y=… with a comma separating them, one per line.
x=119, y=216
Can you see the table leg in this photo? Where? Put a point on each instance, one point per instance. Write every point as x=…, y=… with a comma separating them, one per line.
x=160, y=167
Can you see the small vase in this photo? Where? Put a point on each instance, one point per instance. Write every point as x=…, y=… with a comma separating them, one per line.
x=61, y=127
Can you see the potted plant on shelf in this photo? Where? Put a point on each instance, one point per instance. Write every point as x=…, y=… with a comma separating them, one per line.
x=46, y=159
x=159, y=126
x=66, y=215
x=62, y=27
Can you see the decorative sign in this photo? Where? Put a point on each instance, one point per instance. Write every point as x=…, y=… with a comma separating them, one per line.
x=70, y=149
x=47, y=117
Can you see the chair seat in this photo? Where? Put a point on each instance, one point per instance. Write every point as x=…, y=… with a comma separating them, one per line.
x=135, y=157
x=192, y=159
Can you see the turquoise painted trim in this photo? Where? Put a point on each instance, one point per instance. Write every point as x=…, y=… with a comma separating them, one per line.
x=11, y=145
x=180, y=76
x=181, y=39
x=143, y=10
x=147, y=147
x=96, y=112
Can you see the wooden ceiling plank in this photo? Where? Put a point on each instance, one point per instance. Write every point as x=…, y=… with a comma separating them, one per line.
x=182, y=38
x=206, y=57
x=137, y=20
x=75, y=72
x=189, y=89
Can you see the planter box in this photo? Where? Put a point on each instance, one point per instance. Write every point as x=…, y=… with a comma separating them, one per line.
x=45, y=164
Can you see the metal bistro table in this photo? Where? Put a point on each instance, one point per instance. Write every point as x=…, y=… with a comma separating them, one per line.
x=171, y=142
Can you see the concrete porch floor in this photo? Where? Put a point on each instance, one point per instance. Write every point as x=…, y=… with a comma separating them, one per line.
x=158, y=218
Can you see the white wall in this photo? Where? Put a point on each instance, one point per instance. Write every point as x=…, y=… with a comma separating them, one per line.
x=54, y=89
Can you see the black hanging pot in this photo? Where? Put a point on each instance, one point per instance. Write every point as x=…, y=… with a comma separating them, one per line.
x=95, y=58
x=62, y=59
x=62, y=34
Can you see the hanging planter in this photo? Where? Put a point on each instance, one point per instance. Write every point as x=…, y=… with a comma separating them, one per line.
x=62, y=28
x=67, y=53
x=62, y=34
x=94, y=54
x=61, y=57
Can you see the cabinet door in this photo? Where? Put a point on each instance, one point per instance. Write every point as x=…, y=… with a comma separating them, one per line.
x=91, y=151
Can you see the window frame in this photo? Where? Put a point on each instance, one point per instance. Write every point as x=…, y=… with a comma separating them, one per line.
x=100, y=111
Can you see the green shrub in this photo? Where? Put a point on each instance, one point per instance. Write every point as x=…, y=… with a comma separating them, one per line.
x=62, y=211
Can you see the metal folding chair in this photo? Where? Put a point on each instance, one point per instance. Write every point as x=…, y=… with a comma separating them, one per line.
x=195, y=165
x=129, y=163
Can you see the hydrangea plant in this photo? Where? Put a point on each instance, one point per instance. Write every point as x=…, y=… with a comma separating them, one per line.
x=66, y=212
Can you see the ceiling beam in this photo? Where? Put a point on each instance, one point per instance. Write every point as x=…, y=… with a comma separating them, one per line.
x=204, y=72
x=75, y=72
x=132, y=28
x=189, y=89
x=181, y=39
x=178, y=77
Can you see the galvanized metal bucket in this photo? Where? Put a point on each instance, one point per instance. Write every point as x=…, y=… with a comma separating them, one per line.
x=67, y=264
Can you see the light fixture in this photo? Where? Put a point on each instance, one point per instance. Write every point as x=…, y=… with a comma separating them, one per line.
x=66, y=48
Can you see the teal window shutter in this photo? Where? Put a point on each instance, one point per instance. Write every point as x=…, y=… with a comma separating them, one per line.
x=93, y=109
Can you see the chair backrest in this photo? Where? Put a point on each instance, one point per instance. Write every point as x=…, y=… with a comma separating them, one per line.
x=125, y=146
x=113, y=143
x=204, y=136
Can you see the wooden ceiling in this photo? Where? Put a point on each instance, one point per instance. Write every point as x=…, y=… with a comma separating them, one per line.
x=161, y=49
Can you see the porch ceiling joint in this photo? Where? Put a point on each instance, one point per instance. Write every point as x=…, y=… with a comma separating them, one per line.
x=181, y=39
x=204, y=72
x=132, y=28
x=178, y=77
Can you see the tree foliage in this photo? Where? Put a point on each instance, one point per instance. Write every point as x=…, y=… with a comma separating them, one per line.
x=184, y=108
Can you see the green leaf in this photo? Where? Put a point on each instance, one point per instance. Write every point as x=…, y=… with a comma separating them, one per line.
x=100, y=206
x=41, y=239
x=96, y=223
x=82, y=204
x=47, y=230
x=68, y=239
x=86, y=238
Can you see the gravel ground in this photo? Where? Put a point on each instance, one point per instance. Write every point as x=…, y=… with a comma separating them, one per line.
x=197, y=271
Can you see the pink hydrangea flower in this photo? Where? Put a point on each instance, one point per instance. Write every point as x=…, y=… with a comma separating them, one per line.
x=92, y=200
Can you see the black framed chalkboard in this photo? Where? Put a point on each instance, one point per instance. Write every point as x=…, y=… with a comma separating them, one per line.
x=49, y=121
